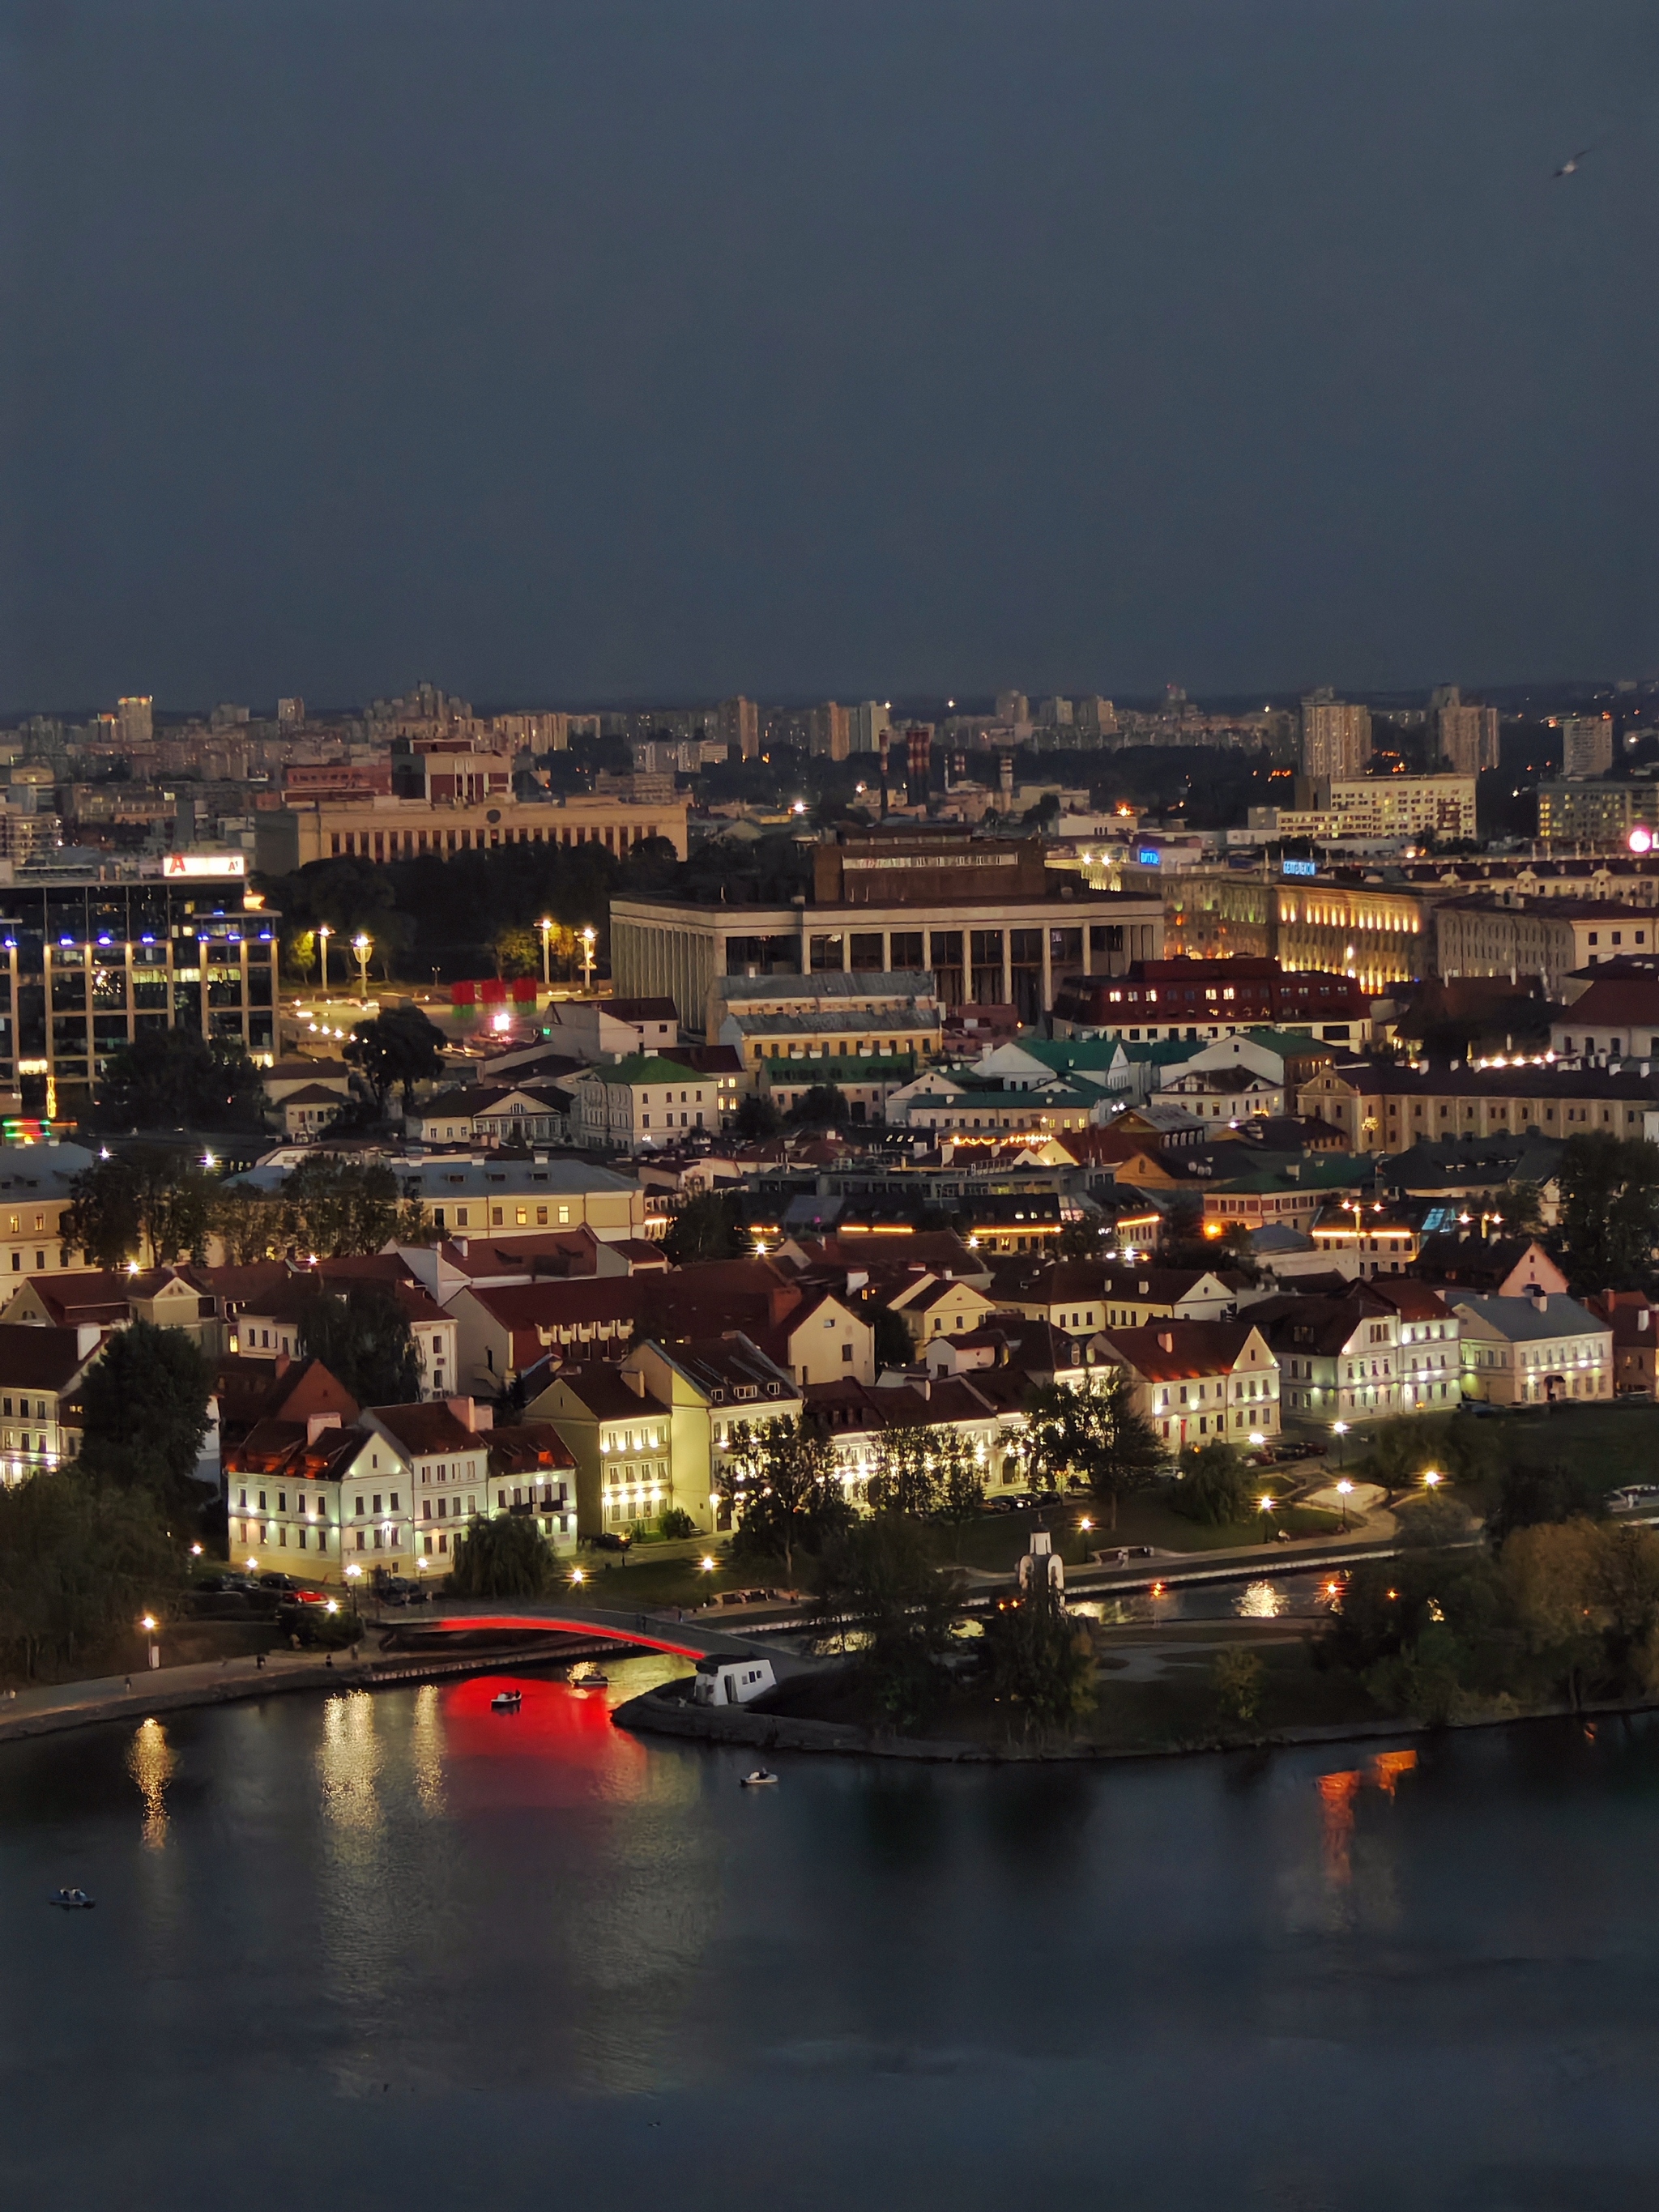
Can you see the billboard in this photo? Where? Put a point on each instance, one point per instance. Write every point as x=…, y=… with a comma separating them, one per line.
x=1300, y=867
x=1149, y=856
x=215, y=865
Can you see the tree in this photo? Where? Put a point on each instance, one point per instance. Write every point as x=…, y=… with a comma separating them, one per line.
x=335, y=1208
x=757, y=1118
x=504, y=1556
x=176, y=1079
x=149, y=1205
x=1039, y=1660
x=822, y=1106
x=1214, y=1486
x=79, y=1564
x=784, y=1484
x=1586, y=1595
x=1084, y=1238
x=248, y=1223
x=880, y=1578
x=517, y=951
x=1096, y=1434
x=1529, y=1497
x=1523, y=1209
x=709, y=1226
x=1239, y=1677
x=890, y=1340
x=399, y=1047
x=365, y=1341
x=1609, y=1210
x=961, y=1485
x=904, y=1481
x=145, y=1410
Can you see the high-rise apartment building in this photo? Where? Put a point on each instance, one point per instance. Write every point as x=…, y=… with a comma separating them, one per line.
x=739, y=724
x=1468, y=735
x=1054, y=713
x=1097, y=716
x=1013, y=706
x=830, y=730
x=868, y=724
x=290, y=713
x=1586, y=744
x=1336, y=737
x=135, y=721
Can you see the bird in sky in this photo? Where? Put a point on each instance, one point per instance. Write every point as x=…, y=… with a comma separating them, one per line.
x=1570, y=167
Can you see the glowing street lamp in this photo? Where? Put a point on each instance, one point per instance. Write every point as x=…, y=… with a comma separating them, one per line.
x=1338, y=1430
x=590, y=937
x=1344, y=1491
x=577, y=1577
x=149, y=1624
x=324, y=932
x=362, y=945
x=546, y=928
x=1432, y=1480
x=707, y=1564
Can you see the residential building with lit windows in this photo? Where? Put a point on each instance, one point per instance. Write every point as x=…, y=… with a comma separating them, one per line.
x=92, y=958
x=41, y=1371
x=719, y=1392
x=313, y=1498
x=1381, y=1109
x=443, y=1450
x=642, y=1101
x=1429, y=1362
x=620, y=1436
x=1197, y=1381
x=1537, y=1350
x=1082, y=1296
x=377, y=826
x=1339, y=1356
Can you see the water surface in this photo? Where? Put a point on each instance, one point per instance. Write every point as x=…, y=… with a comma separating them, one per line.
x=395, y=1950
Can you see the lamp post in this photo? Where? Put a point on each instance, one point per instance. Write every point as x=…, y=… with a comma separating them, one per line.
x=148, y=1623
x=324, y=932
x=589, y=937
x=362, y=945
x=1338, y=1430
x=1344, y=1491
x=546, y=929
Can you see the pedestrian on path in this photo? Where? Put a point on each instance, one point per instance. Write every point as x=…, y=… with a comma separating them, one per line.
x=129, y=1682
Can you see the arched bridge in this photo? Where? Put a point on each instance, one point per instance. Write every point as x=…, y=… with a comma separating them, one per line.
x=686, y=1640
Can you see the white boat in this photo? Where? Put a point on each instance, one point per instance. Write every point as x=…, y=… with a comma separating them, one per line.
x=72, y=1900
x=506, y=1701
x=760, y=1779
x=589, y=1678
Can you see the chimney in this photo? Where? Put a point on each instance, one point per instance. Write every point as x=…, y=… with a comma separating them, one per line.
x=1641, y=1313
x=88, y=1336
x=316, y=1422
x=1166, y=1341
x=462, y=1409
x=1540, y=1298
x=281, y=1365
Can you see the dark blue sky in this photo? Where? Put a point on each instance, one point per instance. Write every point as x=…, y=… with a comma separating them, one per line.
x=662, y=348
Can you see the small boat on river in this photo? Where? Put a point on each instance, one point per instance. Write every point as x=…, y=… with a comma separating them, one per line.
x=589, y=1678
x=760, y=1779
x=72, y=1900
x=506, y=1701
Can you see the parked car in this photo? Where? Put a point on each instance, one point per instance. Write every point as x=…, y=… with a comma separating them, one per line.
x=278, y=1582
x=610, y=1540
x=400, y=1589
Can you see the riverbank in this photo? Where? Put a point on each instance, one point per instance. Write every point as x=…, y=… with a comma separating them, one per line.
x=666, y=1710
x=56, y=1707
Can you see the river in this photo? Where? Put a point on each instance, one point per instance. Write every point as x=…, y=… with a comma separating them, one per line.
x=394, y=1949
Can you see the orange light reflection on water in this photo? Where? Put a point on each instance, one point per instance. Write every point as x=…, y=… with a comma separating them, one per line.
x=1339, y=1795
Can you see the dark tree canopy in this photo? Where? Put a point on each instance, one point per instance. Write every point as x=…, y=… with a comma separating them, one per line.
x=822, y=1106
x=710, y=1226
x=145, y=1413
x=1095, y=1433
x=365, y=1341
x=1609, y=1222
x=175, y=1079
x=337, y=1208
x=79, y=1562
x=757, y=1117
x=506, y=1556
x=148, y=1205
x=399, y=1048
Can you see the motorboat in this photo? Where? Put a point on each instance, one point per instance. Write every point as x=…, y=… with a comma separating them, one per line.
x=506, y=1701
x=72, y=1900
x=760, y=1779
x=589, y=1678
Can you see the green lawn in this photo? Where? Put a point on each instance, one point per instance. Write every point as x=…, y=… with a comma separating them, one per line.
x=1614, y=1444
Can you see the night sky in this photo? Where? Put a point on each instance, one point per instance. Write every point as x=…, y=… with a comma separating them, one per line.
x=658, y=348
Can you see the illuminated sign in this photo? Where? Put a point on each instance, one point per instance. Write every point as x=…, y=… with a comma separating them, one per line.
x=1148, y=856
x=205, y=864
x=1300, y=867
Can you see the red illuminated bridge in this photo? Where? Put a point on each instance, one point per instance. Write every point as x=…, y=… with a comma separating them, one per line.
x=689, y=1639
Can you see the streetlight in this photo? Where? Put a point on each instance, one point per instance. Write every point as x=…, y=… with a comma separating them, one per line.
x=590, y=937
x=707, y=1563
x=1338, y=1430
x=362, y=945
x=577, y=1577
x=1344, y=1491
x=546, y=929
x=1431, y=1480
x=324, y=932
x=148, y=1623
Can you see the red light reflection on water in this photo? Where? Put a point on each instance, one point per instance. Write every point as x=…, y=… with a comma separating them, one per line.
x=559, y=1748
